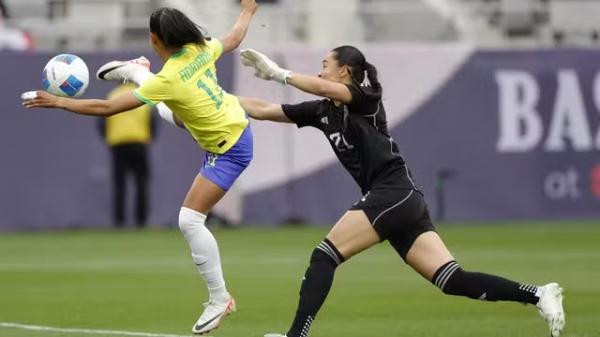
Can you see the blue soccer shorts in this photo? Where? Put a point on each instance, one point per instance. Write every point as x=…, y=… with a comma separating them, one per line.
x=224, y=169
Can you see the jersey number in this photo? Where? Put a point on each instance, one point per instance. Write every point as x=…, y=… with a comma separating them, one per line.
x=218, y=98
x=340, y=142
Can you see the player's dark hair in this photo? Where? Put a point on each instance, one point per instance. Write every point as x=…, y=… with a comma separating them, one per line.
x=174, y=28
x=352, y=57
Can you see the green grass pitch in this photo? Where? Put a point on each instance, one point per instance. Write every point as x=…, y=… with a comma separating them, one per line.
x=145, y=281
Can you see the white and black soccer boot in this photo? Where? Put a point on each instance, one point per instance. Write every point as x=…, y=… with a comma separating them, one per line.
x=551, y=308
x=213, y=315
x=122, y=71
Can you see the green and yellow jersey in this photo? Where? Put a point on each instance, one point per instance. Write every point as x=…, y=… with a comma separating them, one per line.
x=188, y=85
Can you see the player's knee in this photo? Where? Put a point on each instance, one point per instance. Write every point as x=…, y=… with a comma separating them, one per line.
x=190, y=220
x=449, y=278
x=326, y=252
x=453, y=280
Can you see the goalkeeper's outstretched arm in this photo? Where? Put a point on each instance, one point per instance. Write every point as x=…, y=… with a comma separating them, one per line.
x=267, y=69
x=263, y=110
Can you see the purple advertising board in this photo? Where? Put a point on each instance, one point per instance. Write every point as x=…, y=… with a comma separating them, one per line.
x=55, y=167
x=517, y=133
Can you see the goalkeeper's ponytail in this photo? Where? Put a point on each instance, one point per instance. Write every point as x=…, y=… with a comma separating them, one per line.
x=373, y=80
x=353, y=58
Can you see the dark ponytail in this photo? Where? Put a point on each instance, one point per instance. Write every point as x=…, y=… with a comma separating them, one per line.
x=174, y=28
x=372, y=76
x=353, y=58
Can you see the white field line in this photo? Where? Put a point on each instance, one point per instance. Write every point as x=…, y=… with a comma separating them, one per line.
x=83, y=331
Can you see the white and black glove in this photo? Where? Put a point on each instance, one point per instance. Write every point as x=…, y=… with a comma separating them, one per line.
x=263, y=66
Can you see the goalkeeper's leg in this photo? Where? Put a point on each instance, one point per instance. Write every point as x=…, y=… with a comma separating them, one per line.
x=429, y=256
x=351, y=235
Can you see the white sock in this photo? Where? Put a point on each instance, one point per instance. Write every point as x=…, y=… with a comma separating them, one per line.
x=165, y=113
x=142, y=75
x=205, y=252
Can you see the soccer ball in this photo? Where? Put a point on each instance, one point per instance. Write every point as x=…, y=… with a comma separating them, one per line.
x=66, y=75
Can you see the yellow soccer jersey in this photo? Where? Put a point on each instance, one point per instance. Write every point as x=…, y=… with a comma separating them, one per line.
x=188, y=85
x=133, y=126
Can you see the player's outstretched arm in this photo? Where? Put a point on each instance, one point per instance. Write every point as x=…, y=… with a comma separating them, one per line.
x=263, y=110
x=90, y=107
x=320, y=87
x=238, y=32
x=266, y=69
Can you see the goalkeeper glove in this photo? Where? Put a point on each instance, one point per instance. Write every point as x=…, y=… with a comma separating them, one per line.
x=264, y=67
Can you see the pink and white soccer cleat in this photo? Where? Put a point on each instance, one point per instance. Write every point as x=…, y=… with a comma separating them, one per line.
x=213, y=315
x=122, y=71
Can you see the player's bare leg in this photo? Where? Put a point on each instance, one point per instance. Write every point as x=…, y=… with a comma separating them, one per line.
x=427, y=254
x=429, y=257
x=352, y=234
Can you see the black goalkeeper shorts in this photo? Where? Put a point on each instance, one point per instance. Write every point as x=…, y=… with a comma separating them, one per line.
x=397, y=215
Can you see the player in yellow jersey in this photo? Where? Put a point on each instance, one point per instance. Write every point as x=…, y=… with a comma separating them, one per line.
x=187, y=88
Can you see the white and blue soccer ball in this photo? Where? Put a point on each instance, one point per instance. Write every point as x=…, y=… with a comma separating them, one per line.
x=66, y=75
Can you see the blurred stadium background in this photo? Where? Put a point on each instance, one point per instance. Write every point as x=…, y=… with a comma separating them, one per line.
x=494, y=103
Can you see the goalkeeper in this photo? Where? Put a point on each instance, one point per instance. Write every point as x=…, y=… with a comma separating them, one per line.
x=392, y=207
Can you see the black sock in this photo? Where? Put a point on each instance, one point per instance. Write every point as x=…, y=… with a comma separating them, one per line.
x=455, y=281
x=315, y=286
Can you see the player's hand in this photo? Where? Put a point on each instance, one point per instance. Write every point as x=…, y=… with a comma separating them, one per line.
x=264, y=67
x=39, y=99
x=249, y=6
